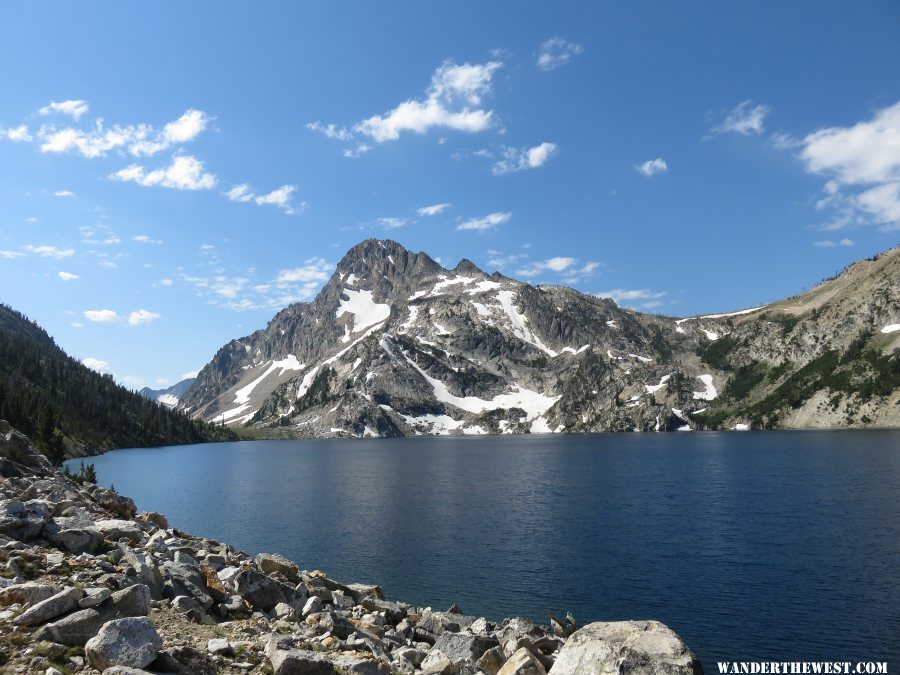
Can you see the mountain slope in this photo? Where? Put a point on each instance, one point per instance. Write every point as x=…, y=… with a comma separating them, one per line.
x=395, y=344
x=71, y=410
x=170, y=395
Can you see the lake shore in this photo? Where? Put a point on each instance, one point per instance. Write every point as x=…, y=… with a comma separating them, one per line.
x=91, y=585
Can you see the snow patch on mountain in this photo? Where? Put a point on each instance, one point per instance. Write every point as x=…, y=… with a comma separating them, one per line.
x=365, y=311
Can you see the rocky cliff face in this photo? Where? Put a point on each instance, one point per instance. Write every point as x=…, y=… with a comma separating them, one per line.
x=395, y=344
x=88, y=585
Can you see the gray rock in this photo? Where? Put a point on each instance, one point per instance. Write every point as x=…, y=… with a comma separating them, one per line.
x=491, y=661
x=300, y=662
x=132, y=601
x=20, y=522
x=119, y=529
x=219, y=646
x=257, y=589
x=411, y=655
x=437, y=663
x=461, y=646
x=74, y=629
x=94, y=596
x=341, y=600
x=217, y=562
x=131, y=642
x=619, y=647
x=523, y=662
x=313, y=605
x=145, y=568
x=64, y=601
x=28, y=593
x=269, y=563
x=71, y=537
x=181, y=579
x=361, y=665
x=125, y=670
x=184, y=604
x=285, y=612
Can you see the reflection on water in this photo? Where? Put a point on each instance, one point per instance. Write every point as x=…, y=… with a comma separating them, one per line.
x=772, y=546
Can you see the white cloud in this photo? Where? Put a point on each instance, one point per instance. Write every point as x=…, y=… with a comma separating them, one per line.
x=485, y=223
x=393, y=223
x=551, y=264
x=64, y=193
x=315, y=269
x=240, y=193
x=433, y=210
x=138, y=140
x=331, y=131
x=17, y=134
x=51, y=251
x=499, y=261
x=282, y=199
x=142, y=316
x=518, y=159
x=184, y=173
x=358, y=151
x=77, y=324
x=67, y=276
x=652, y=166
x=101, y=315
x=9, y=255
x=744, y=119
x=145, y=239
x=165, y=282
x=73, y=108
x=447, y=104
x=190, y=374
x=556, y=52
x=863, y=166
x=619, y=295
x=828, y=243
x=95, y=364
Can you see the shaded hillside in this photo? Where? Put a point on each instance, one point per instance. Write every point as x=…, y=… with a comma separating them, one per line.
x=69, y=409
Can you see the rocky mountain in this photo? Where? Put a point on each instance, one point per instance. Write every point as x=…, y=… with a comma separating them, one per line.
x=395, y=344
x=71, y=410
x=170, y=395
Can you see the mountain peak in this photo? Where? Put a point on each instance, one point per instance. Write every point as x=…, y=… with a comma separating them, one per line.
x=377, y=258
x=466, y=266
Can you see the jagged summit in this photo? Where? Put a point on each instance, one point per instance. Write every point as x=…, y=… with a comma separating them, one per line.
x=395, y=344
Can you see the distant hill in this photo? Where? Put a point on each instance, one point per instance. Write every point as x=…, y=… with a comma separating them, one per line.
x=70, y=410
x=395, y=345
x=169, y=396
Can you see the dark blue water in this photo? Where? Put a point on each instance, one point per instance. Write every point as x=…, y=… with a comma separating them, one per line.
x=763, y=546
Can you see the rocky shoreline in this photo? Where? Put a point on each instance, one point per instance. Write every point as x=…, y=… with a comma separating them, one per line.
x=88, y=585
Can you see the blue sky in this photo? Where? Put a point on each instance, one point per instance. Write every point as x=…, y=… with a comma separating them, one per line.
x=172, y=174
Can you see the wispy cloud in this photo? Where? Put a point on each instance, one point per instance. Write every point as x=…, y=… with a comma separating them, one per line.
x=744, y=119
x=552, y=264
x=829, y=243
x=140, y=316
x=73, y=108
x=863, y=164
x=67, y=276
x=45, y=251
x=64, y=193
x=17, y=134
x=518, y=159
x=145, y=239
x=241, y=292
x=452, y=101
x=9, y=255
x=433, y=210
x=95, y=364
x=392, y=223
x=643, y=298
x=184, y=173
x=282, y=197
x=136, y=139
x=101, y=315
x=652, y=166
x=331, y=131
x=485, y=223
x=555, y=53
